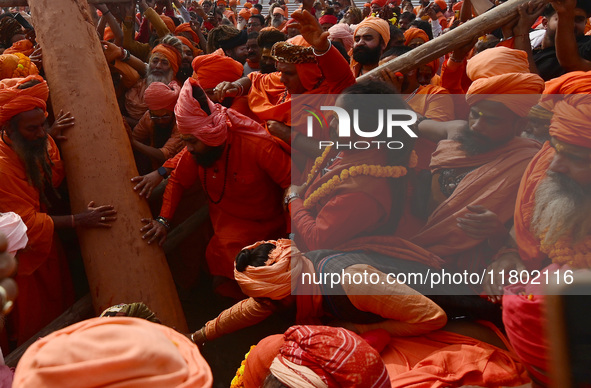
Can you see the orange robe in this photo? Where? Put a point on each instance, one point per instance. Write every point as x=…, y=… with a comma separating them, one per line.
x=249, y=186
x=493, y=184
x=144, y=132
x=43, y=278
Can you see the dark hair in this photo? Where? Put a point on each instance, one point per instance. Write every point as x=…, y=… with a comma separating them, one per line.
x=548, y=11
x=260, y=18
x=253, y=35
x=408, y=15
x=254, y=257
x=341, y=47
x=395, y=31
x=396, y=51
x=423, y=25
x=258, y=6
x=268, y=38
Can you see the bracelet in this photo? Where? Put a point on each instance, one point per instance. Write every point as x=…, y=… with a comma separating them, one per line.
x=163, y=221
x=73, y=221
x=203, y=334
x=290, y=197
x=241, y=91
x=321, y=54
x=127, y=55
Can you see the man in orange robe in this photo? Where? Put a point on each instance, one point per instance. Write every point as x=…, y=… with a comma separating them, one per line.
x=478, y=164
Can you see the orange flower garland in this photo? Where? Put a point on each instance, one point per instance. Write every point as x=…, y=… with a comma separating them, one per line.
x=238, y=380
x=364, y=169
x=563, y=252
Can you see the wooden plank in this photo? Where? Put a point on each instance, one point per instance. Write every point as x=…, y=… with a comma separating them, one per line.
x=458, y=37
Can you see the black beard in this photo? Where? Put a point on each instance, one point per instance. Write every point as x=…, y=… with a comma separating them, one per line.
x=185, y=71
x=209, y=157
x=33, y=154
x=474, y=143
x=267, y=69
x=367, y=56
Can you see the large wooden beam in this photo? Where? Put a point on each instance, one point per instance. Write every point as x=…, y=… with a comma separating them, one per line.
x=24, y=3
x=121, y=267
x=448, y=42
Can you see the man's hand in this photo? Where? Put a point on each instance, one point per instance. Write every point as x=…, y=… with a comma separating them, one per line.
x=62, y=121
x=226, y=89
x=563, y=7
x=37, y=57
x=96, y=217
x=279, y=130
x=500, y=268
x=481, y=223
x=311, y=30
x=111, y=51
x=153, y=231
x=147, y=183
x=528, y=14
x=8, y=266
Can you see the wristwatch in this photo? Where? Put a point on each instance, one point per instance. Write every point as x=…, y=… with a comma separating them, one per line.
x=163, y=172
x=290, y=196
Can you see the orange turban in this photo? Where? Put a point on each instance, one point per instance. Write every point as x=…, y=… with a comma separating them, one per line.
x=380, y=3
x=108, y=34
x=161, y=96
x=122, y=352
x=186, y=27
x=434, y=65
x=247, y=5
x=16, y=66
x=172, y=54
x=211, y=69
x=572, y=108
x=245, y=13
x=502, y=74
x=441, y=4
x=24, y=47
x=328, y=356
x=380, y=25
x=14, y=101
x=233, y=3
x=280, y=11
x=254, y=11
x=188, y=43
x=260, y=359
x=169, y=23
x=458, y=6
x=414, y=32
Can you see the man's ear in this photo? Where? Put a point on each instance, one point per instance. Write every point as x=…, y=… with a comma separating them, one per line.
x=544, y=21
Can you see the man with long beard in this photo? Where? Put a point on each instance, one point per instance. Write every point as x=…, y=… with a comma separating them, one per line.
x=30, y=169
x=371, y=39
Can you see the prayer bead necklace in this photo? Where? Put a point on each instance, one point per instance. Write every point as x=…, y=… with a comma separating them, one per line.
x=225, y=180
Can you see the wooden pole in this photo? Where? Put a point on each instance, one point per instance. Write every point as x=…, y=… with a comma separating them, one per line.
x=24, y=3
x=121, y=267
x=458, y=37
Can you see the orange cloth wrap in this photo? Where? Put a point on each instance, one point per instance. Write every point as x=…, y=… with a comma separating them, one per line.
x=414, y=32
x=24, y=47
x=245, y=13
x=186, y=27
x=508, y=81
x=172, y=54
x=161, y=96
x=380, y=25
x=188, y=43
x=121, y=351
x=14, y=101
x=16, y=66
x=211, y=69
x=169, y=23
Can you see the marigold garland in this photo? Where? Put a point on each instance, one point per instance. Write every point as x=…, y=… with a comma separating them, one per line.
x=23, y=67
x=317, y=163
x=238, y=380
x=364, y=169
x=563, y=252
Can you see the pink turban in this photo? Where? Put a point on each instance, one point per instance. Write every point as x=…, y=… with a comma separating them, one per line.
x=502, y=74
x=212, y=130
x=14, y=100
x=377, y=24
x=328, y=19
x=328, y=356
x=211, y=69
x=572, y=108
x=161, y=96
x=122, y=352
x=15, y=231
x=344, y=32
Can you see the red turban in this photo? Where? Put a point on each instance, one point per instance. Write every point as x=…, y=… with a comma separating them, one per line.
x=502, y=74
x=414, y=32
x=377, y=24
x=188, y=43
x=328, y=19
x=441, y=4
x=186, y=27
x=14, y=101
x=331, y=356
x=105, y=352
x=169, y=23
x=380, y=3
x=572, y=109
x=161, y=96
x=211, y=69
x=245, y=13
x=172, y=54
x=212, y=130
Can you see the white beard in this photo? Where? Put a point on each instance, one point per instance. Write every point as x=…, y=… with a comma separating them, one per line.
x=165, y=79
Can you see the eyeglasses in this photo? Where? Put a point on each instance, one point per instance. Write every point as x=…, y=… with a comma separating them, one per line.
x=164, y=117
x=253, y=25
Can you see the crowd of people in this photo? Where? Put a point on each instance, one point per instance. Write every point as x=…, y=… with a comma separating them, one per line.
x=492, y=179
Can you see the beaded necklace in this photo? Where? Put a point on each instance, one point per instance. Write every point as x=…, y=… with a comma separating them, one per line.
x=225, y=180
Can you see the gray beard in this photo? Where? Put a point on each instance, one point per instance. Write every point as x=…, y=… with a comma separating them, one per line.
x=165, y=79
x=562, y=208
x=527, y=135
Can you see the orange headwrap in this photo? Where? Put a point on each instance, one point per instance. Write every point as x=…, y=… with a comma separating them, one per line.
x=248, y=5
x=24, y=47
x=434, y=65
x=186, y=27
x=105, y=352
x=457, y=6
x=14, y=101
x=212, y=69
x=280, y=11
x=380, y=25
x=572, y=108
x=245, y=13
x=172, y=54
x=379, y=3
x=16, y=66
x=108, y=34
x=441, y=4
x=502, y=74
x=169, y=23
x=414, y=32
x=260, y=359
x=255, y=11
x=188, y=43
x=161, y=96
